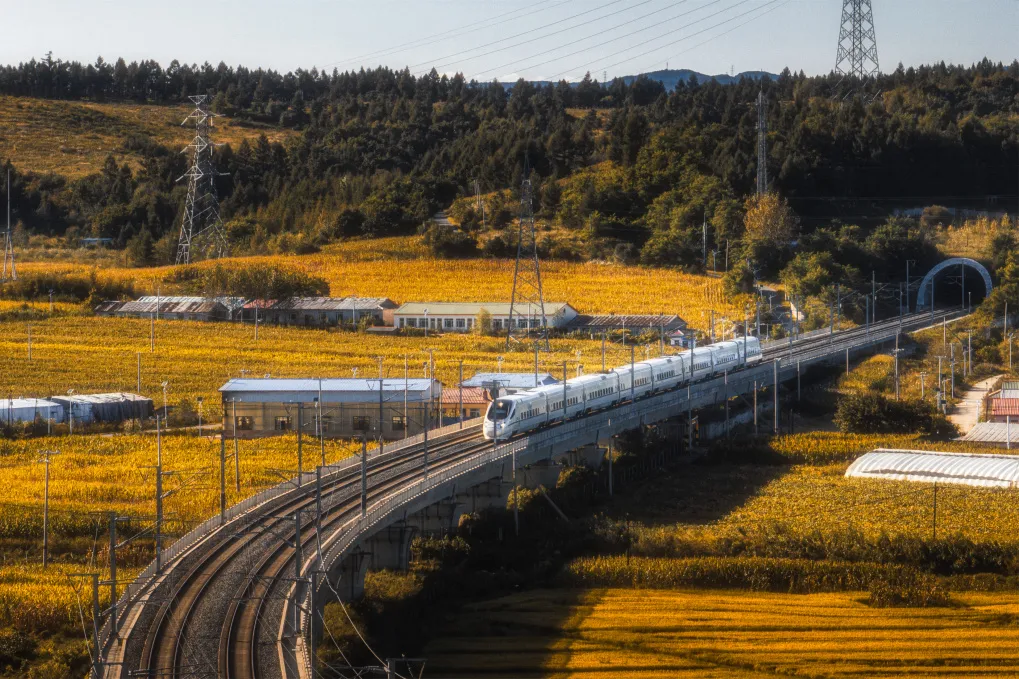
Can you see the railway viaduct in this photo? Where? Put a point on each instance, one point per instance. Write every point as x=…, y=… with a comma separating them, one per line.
x=239, y=596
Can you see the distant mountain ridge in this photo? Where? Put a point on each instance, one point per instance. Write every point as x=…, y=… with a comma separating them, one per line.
x=670, y=77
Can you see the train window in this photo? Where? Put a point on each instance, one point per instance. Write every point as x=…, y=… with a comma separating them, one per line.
x=499, y=410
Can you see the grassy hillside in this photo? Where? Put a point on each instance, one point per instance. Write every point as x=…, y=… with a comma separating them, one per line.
x=73, y=139
x=726, y=635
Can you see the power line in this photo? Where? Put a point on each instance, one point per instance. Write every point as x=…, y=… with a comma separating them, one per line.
x=728, y=31
x=674, y=42
x=627, y=35
x=452, y=33
x=518, y=35
x=658, y=37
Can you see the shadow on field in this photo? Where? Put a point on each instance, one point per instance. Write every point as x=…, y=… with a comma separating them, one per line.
x=693, y=494
x=524, y=635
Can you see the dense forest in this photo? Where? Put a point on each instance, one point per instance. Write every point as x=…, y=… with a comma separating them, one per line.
x=631, y=172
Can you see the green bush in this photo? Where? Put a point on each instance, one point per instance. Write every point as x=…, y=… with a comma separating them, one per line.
x=908, y=589
x=873, y=413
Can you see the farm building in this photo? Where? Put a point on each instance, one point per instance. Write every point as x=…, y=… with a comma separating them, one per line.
x=350, y=408
x=508, y=383
x=113, y=407
x=178, y=308
x=632, y=322
x=462, y=316
x=474, y=401
x=1004, y=434
x=1003, y=409
x=1009, y=389
x=326, y=311
x=29, y=409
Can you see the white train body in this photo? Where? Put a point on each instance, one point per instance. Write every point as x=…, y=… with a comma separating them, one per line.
x=535, y=408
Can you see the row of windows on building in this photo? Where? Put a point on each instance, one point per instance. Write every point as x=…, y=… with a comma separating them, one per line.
x=461, y=323
x=357, y=423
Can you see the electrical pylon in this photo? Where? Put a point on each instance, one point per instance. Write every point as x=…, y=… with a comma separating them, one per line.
x=762, y=145
x=528, y=302
x=201, y=230
x=10, y=272
x=857, y=52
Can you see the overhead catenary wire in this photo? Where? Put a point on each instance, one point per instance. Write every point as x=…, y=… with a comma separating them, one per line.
x=524, y=33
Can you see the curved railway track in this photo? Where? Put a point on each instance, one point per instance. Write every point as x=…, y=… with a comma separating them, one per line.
x=164, y=648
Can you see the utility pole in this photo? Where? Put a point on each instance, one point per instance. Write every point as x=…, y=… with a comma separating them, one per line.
x=923, y=378
x=46, y=457
x=364, y=475
x=10, y=273
x=896, y=366
x=603, y=334
x=704, y=240
x=775, y=366
x=381, y=387
x=30, y=341
x=460, y=384
x=237, y=451
x=139, y=385
x=762, y=144
x=159, y=497
x=222, y=479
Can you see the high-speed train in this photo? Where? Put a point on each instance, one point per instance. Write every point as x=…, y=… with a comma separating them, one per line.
x=534, y=408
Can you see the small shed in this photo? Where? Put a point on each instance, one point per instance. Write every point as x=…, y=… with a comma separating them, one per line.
x=183, y=308
x=29, y=409
x=1001, y=434
x=331, y=311
x=634, y=322
x=112, y=407
x=1003, y=409
x=475, y=402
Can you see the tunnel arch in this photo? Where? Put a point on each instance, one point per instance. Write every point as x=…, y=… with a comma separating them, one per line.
x=922, y=295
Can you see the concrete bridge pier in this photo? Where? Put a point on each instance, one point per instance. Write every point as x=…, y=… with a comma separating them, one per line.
x=485, y=495
x=348, y=578
x=390, y=547
x=542, y=473
x=438, y=519
x=590, y=455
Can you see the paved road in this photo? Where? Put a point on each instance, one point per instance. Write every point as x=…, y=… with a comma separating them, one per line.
x=966, y=413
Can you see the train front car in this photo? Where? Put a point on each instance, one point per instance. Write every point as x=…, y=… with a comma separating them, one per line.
x=499, y=419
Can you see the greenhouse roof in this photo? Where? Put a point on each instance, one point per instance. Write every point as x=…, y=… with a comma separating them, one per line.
x=968, y=469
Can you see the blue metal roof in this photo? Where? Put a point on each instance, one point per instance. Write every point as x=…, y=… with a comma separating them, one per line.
x=509, y=380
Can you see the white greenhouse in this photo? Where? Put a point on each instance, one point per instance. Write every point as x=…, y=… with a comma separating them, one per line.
x=967, y=469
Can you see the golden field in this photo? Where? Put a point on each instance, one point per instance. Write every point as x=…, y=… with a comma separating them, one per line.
x=726, y=635
x=401, y=268
x=92, y=354
x=96, y=474
x=73, y=138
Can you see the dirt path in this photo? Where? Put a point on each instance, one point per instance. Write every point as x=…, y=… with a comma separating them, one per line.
x=966, y=412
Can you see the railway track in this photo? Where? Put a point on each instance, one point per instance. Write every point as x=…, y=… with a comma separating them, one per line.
x=246, y=569
x=165, y=649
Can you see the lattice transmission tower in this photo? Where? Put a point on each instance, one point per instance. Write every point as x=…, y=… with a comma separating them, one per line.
x=201, y=231
x=10, y=272
x=762, y=145
x=857, y=53
x=528, y=302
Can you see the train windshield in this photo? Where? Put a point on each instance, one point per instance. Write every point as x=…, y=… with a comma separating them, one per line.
x=499, y=410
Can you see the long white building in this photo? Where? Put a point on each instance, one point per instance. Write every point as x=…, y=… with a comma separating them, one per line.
x=462, y=316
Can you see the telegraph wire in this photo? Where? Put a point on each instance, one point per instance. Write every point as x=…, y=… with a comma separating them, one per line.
x=451, y=33
x=607, y=30
x=527, y=32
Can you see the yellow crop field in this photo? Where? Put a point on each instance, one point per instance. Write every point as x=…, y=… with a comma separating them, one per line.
x=73, y=138
x=725, y=635
x=401, y=269
x=94, y=354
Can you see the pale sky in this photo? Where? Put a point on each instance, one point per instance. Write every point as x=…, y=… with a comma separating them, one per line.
x=505, y=38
